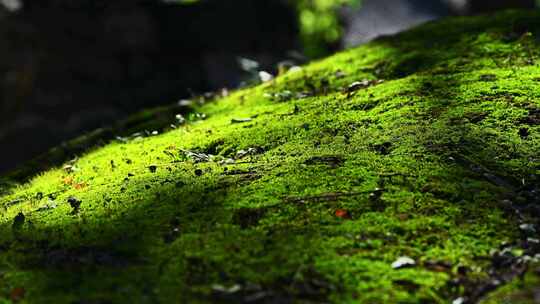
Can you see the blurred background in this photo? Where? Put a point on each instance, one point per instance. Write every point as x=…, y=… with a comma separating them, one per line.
x=71, y=66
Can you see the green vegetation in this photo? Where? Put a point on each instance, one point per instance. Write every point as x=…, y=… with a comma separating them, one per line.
x=308, y=187
x=319, y=24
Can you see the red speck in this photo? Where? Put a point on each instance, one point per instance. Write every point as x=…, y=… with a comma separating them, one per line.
x=342, y=213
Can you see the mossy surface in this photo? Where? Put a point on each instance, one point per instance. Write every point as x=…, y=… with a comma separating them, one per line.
x=303, y=189
x=521, y=290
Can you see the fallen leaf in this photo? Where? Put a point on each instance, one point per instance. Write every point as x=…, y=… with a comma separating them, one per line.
x=460, y=300
x=68, y=180
x=70, y=168
x=265, y=76
x=342, y=213
x=197, y=157
x=180, y=119
x=240, y=120
x=527, y=228
x=243, y=153
x=80, y=186
x=403, y=262
x=233, y=289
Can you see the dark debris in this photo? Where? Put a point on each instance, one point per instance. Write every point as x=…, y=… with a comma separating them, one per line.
x=75, y=204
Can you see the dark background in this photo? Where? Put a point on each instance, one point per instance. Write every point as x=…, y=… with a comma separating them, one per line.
x=67, y=67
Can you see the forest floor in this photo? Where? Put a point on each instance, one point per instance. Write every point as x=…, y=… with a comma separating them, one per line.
x=405, y=170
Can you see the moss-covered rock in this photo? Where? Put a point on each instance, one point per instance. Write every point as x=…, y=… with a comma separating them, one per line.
x=313, y=187
x=523, y=289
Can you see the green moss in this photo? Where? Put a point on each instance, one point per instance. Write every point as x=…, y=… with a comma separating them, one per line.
x=300, y=188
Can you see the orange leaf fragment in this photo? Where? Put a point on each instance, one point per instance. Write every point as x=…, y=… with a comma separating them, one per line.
x=79, y=186
x=68, y=180
x=342, y=213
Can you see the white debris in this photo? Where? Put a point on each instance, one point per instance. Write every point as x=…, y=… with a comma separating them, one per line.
x=242, y=153
x=459, y=300
x=233, y=289
x=294, y=69
x=527, y=228
x=248, y=64
x=185, y=102
x=403, y=262
x=180, y=119
x=265, y=76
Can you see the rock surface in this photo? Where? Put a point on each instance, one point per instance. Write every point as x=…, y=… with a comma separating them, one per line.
x=308, y=187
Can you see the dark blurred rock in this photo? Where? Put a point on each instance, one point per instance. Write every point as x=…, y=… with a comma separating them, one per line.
x=384, y=17
x=483, y=6
x=76, y=65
